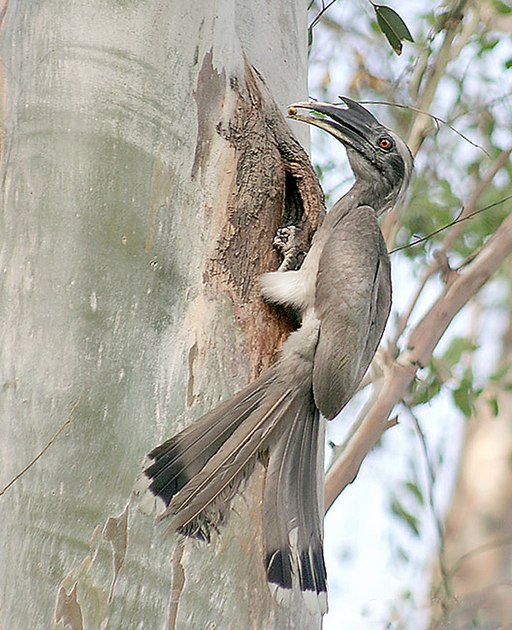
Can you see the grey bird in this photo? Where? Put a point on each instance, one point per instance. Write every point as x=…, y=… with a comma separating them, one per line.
x=342, y=294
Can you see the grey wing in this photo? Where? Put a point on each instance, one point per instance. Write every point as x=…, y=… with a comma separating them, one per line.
x=353, y=299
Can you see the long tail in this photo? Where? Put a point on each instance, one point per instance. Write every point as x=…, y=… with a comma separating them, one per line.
x=294, y=535
x=197, y=472
x=190, y=470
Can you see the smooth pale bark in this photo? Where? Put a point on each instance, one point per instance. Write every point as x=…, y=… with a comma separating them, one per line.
x=122, y=299
x=477, y=549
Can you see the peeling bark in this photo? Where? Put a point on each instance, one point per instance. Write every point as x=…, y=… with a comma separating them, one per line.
x=274, y=185
x=208, y=96
x=116, y=532
x=68, y=609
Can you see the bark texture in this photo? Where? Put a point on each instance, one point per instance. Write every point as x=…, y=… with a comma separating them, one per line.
x=144, y=172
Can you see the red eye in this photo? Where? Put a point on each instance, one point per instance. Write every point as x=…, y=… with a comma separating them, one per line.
x=385, y=143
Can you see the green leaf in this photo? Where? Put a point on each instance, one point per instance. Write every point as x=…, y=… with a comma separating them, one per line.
x=425, y=390
x=487, y=43
x=390, y=34
x=409, y=519
x=495, y=408
x=415, y=491
x=464, y=396
x=458, y=346
x=462, y=399
x=395, y=22
x=392, y=26
x=501, y=7
x=501, y=372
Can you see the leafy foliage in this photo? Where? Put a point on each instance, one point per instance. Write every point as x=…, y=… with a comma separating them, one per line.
x=409, y=519
x=466, y=394
x=455, y=70
x=393, y=27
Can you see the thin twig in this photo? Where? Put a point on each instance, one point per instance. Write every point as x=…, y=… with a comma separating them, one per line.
x=320, y=13
x=480, y=188
x=493, y=544
x=438, y=120
x=460, y=217
x=41, y=453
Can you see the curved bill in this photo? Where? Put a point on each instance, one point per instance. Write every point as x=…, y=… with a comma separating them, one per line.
x=350, y=124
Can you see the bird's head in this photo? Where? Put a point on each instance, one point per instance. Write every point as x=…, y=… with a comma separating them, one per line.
x=379, y=158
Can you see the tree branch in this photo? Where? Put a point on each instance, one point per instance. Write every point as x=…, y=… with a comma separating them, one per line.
x=421, y=343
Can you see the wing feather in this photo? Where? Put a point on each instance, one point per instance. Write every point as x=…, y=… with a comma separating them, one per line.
x=352, y=302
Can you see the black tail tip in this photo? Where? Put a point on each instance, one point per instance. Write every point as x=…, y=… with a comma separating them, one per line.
x=166, y=474
x=312, y=577
x=279, y=569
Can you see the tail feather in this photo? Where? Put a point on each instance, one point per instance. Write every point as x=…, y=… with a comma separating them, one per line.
x=276, y=538
x=182, y=457
x=312, y=567
x=294, y=546
x=197, y=472
x=224, y=470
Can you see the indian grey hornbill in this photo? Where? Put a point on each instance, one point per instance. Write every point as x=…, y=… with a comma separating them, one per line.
x=342, y=293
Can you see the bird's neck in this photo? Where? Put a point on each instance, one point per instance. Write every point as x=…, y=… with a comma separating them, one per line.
x=375, y=194
x=362, y=193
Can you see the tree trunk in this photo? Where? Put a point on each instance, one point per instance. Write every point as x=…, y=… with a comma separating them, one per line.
x=145, y=169
x=478, y=543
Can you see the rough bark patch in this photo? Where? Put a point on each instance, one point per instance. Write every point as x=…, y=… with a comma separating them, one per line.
x=208, y=96
x=274, y=185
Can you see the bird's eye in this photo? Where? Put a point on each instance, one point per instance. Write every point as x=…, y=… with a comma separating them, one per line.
x=385, y=143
